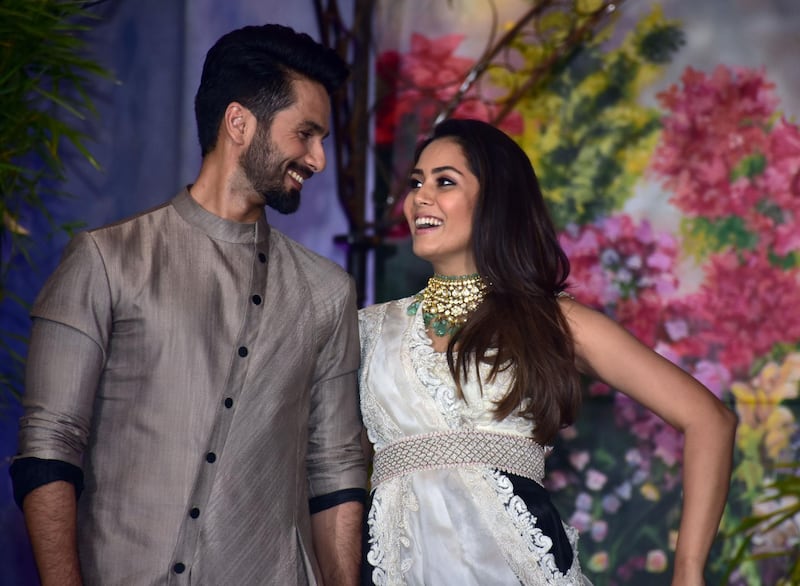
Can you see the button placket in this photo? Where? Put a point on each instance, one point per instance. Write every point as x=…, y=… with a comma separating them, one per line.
x=187, y=544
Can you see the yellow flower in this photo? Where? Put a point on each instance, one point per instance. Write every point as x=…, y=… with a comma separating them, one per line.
x=784, y=379
x=650, y=491
x=636, y=160
x=584, y=6
x=758, y=404
x=598, y=562
x=594, y=84
x=780, y=426
x=672, y=540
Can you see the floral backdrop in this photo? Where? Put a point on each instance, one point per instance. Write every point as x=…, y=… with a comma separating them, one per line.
x=679, y=209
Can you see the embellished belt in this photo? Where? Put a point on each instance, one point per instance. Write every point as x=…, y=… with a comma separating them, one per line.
x=458, y=449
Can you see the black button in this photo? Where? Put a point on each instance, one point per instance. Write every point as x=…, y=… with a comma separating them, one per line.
x=211, y=457
x=262, y=257
x=257, y=299
x=229, y=402
x=242, y=351
x=179, y=568
x=194, y=513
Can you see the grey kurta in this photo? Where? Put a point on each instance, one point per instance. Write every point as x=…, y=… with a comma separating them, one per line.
x=226, y=360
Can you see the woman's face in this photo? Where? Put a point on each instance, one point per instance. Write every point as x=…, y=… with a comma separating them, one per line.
x=439, y=208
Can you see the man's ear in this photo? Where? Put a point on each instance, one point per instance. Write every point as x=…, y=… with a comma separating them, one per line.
x=238, y=124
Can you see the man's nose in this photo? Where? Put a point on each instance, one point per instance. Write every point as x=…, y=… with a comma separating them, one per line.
x=315, y=158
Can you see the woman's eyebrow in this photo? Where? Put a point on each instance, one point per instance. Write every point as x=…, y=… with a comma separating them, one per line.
x=441, y=169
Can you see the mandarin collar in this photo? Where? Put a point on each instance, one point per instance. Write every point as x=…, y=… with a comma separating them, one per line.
x=216, y=227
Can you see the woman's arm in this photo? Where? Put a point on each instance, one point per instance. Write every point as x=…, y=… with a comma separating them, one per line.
x=607, y=351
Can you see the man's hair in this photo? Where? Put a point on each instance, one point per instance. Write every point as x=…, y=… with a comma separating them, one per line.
x=255, y=66
x=519, y=326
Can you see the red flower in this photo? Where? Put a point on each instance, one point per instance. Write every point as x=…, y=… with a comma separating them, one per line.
x=418, y=85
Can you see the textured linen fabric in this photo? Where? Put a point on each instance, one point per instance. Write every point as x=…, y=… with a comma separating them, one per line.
x=204, y=381
x=464, y=525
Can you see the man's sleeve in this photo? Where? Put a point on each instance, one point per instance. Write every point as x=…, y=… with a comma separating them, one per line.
x=71, y=322
x=336, y=467
x=61, y=375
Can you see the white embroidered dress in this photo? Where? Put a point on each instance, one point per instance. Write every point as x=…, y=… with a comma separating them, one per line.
x=462, y=525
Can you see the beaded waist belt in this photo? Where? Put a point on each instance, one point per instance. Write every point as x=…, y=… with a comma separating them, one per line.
x=459, y=449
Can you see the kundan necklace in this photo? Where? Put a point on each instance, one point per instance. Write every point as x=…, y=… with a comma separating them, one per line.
x=448, y=301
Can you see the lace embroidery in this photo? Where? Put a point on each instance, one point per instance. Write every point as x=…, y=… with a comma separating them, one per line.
x=421, y=359
x=389, y=534
x=521, y=540
x=388, y=518
x=376, y=420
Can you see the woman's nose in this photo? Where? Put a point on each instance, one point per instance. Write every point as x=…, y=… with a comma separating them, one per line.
x=423, y=195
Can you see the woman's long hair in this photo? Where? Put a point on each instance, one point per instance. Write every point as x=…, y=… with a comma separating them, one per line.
x=520, y=325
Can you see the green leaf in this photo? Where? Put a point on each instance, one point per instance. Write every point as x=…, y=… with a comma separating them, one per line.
x=706, y=235
x=750, y=166
x=45, y=77
x=659, y=44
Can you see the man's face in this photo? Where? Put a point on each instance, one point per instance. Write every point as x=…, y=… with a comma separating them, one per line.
x=280, y=158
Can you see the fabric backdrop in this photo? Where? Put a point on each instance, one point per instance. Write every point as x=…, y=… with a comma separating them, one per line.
x=669, y=152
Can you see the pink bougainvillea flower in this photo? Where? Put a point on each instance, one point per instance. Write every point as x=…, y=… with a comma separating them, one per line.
x=599, y=530
x=669, y=445
x=748, y=306
x=556, y=480
x=583, y=502
x=625, y=268
x=715, y=122
x=579, y=459
x=599, y=389
x=656, y=561
x=611, y=503
x=595, y=480
x=581, y=520
x=656, y=439
x=713, y=375
x=780, y=183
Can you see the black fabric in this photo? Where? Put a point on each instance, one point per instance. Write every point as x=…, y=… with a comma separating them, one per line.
x=28, y=474
x=537, y=499
x=366, y=567
x=326, y=501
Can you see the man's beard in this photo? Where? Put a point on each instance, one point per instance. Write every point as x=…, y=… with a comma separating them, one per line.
x=262, y=167
x=282, y=200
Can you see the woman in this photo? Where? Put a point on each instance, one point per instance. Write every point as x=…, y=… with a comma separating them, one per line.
x=464, y=385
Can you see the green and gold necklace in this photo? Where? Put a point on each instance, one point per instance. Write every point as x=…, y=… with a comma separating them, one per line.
x=448, y=301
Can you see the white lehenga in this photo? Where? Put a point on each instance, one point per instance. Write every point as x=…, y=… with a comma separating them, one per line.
x=460, y=525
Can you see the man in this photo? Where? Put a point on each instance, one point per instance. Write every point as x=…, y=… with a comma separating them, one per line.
x=192, y=371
